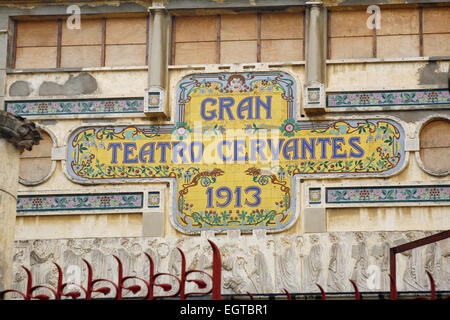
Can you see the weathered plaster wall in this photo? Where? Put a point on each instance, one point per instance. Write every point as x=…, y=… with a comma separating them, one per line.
x=128, y=82
x=366, y=75
x=79, y=226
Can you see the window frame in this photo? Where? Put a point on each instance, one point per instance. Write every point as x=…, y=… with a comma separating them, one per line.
x=60, y=19
x=218, y=41
x=375, y=36
x=54, y=139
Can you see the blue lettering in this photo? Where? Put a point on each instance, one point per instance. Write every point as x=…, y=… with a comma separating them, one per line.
x=127, y=152
x=311, y=147
x=324, y=142
x=239, y=149
x=245, y=105
x=147, y=149
x=211, y=114
x=352, y=142
x=337, y=147
x=256, y=146
x=220, y=150
x=200, y=152
x=178, y=149
x=163, y=146
x=225, y=104
x=267, y=106
x=291, y=146
x=114, y=147
x=275, y=150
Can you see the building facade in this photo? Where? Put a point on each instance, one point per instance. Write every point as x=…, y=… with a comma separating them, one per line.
x=304, y=138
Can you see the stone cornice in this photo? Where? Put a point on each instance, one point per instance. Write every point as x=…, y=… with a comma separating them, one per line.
x=20, y=132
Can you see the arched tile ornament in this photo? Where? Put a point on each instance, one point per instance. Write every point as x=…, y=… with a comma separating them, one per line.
x=235, y=150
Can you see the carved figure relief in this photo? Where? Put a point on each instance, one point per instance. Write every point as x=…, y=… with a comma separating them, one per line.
x=336, y=265
x=359, y=253
x=433, y=261
x=412, y=276
x=313, y=265
x=287, y=267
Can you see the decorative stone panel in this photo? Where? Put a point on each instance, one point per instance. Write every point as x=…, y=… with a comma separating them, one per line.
x=255, y=264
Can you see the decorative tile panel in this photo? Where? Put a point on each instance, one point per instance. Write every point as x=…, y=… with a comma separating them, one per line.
x=34, y=203
x=342, y=195
x=313, y=95
x=315, y=196
x=388, y=98
x=154, y=199
x=68, y=107
x=234, y=151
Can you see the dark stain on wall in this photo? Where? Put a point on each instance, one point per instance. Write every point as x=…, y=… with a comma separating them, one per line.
x=84, y=83
x=19, y=88
x=430, y=74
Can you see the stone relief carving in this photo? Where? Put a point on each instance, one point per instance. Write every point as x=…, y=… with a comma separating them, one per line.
x=41, y=262
x=359, y=253
x=445, y=246
x=263, y=264
x=433, y=261
x=313, y=265
x=19, y=131
x=336, y=265
x=412, y=276
x=287, y=266
x=380, y=252
x=259, y=275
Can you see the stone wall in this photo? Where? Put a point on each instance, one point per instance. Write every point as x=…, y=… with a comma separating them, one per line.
x=257, y=264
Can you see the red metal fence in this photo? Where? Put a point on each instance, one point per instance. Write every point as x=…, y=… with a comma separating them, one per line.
x=148, y=286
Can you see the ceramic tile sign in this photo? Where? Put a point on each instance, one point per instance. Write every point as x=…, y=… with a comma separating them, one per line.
x=234, y=151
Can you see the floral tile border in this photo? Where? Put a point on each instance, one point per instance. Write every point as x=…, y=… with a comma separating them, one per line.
x=69, y=107
x=34, y=203
x=388, y=98
x=435, y=193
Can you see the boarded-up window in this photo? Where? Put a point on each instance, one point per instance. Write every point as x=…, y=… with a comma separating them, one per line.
x=82, y=47
x=36, y=44
x=399, y=33
x=97, y=43
x=348, y=35
x=435, y=146
x=126, y=42
x=36, y=165
x=406, y=32
x=436, y=31
x=249, y=37
x=281, y=37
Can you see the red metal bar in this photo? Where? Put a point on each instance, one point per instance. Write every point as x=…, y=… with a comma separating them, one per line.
x=288, y=295
x=409, y=246
x=393, y=288
x=421, y=242
x=216, y=272
x=432, y=286
x=322, y=292
x=393, y=274
x=357, y=295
